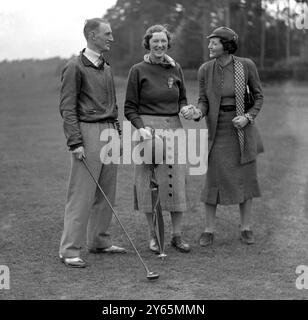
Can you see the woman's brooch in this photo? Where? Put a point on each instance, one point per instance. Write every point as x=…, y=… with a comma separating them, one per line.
x=170, y=82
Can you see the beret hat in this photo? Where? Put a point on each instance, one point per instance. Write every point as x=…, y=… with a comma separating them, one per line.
x=224, y=33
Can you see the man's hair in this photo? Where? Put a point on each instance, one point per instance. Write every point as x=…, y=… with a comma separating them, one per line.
x=92, y=25
x=229, y=45
x=149, y=34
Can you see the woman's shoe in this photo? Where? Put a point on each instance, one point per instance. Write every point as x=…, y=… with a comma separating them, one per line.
x=179, y=244
x=247, y=237
x=206, y=239
x=153, y=246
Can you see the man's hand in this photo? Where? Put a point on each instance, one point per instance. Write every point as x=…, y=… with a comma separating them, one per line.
x=240, y=122
x=79, y=153
x=145, y=133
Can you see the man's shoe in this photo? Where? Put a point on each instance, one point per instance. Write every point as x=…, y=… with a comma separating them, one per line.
x=76, y=262
x=153, y=246
x=206, y=239
x=112, y=249
x=247, y=237
x=179, y=244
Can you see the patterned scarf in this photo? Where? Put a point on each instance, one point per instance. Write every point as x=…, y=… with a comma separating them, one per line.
x=239, y=80
x=167, y=61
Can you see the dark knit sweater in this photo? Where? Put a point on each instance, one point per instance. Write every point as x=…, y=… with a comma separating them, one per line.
x=87, y=95
x=153, y=89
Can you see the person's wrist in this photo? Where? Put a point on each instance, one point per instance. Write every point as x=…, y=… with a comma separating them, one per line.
x=197, y=114
x=249, y=118
x=74, y=147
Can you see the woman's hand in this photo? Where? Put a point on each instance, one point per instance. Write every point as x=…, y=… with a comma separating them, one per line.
x=186, y=112
x=240, y=122
x=145, y=133
x=190, y=112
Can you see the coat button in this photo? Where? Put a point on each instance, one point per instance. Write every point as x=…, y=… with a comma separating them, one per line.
x=170, y=185
x=170, y=194
x=170, y=175
x=170, y=166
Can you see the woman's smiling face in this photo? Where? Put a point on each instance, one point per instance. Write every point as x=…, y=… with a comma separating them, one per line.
x=158, y=45
x=216, y=48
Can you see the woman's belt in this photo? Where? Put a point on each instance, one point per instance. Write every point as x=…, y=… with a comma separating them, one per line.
x=228, y=108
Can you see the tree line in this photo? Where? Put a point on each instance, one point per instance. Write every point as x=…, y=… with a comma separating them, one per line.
x=266, y=29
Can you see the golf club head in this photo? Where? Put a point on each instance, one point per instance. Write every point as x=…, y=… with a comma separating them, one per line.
x=152, y=276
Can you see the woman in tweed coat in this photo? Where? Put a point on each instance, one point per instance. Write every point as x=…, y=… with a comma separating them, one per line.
x=233, y=142
x=154, y=97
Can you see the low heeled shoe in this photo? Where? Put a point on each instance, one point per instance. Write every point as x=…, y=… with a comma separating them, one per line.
x=206, y=239
x=247, y=237
x=178, y=243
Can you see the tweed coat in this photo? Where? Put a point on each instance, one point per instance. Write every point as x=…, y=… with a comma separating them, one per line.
x=209, y=76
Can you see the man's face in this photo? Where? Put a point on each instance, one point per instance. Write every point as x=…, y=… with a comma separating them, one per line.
x=102, y=37
x=216, y=48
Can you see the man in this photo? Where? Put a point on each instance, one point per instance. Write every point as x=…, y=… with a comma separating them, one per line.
x=88, y=106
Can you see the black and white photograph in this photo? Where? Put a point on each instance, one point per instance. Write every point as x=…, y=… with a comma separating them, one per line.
x=154, y=150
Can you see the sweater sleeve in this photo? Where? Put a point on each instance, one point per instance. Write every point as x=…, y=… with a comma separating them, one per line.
x=203, y=103
x=256, y=88
x=70, y=87
x=131, y=105
x=182, y=96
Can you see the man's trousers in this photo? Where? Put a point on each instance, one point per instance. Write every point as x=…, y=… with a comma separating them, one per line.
x=87, y=213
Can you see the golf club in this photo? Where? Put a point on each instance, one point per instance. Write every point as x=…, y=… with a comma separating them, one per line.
x=150, y=275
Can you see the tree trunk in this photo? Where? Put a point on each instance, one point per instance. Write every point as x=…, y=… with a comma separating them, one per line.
x=288, y=34
x=304, y=50
x=206, y=19
x=262, y=38
x=227, y=13
x=277, y=45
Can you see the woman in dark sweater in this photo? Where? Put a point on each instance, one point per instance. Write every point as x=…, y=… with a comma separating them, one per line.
x=233, y=142
x=154, y=97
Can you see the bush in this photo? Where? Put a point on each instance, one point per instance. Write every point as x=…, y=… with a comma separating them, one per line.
x=275, y=74
x=296, y=66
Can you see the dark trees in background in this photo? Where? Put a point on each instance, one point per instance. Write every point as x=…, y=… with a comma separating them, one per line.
x=265, y=27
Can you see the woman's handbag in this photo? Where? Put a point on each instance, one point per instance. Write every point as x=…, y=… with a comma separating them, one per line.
x=249, y=99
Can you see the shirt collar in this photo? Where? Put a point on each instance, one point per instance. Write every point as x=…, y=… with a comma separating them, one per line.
x=223, y=66
x=92, y=56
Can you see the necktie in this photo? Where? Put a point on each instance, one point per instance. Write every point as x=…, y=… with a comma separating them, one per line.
x=239, y=80
x=101, y=62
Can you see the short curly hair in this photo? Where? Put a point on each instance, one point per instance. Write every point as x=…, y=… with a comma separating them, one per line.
x=229, y=45
x=149, y=34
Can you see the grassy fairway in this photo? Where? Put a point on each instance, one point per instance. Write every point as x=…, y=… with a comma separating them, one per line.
x=33, y=175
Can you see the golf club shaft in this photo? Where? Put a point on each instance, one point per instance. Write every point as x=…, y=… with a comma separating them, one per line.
x=115, y=214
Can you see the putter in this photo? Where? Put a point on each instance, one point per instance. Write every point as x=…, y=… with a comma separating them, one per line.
x=150, y=275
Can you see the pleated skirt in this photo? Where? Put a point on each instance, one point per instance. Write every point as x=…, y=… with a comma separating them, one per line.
x=170, y=177
x=227, y=181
